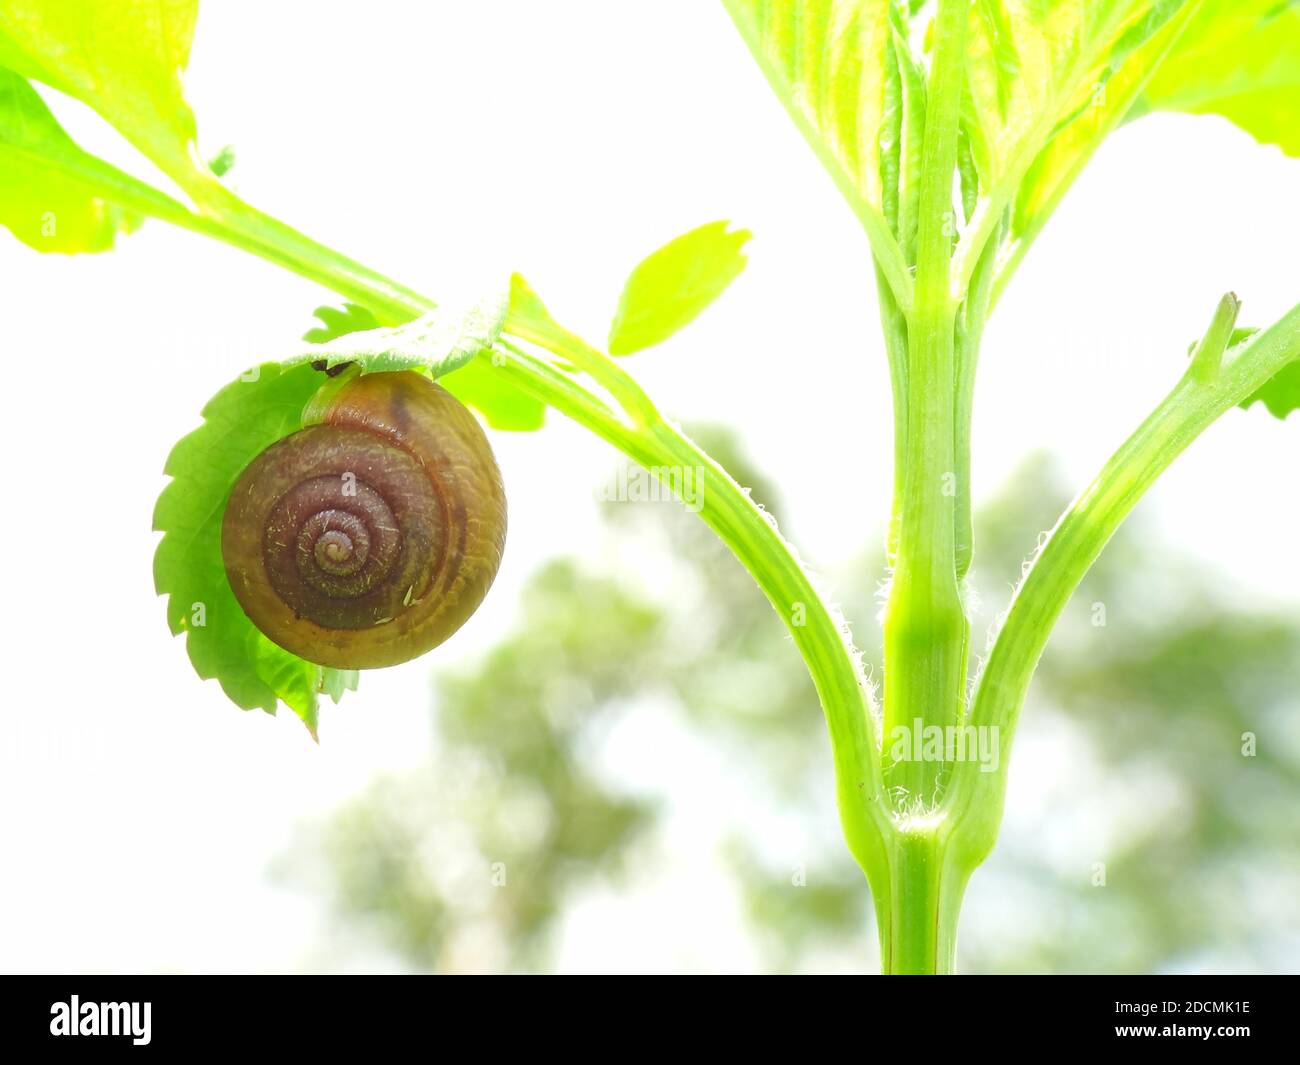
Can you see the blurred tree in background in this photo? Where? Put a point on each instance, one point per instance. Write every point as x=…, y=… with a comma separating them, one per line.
x=648, y=696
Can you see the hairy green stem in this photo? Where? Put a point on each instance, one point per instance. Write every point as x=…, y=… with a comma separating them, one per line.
x=973, y=804
x=821, y=637
x=926, y=630
x=970, y=334
x=927, y=882
x=230, y=220
x=750, y=533
x=894, y=326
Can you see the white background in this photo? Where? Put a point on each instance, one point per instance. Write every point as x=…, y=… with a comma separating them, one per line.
x=447, y=144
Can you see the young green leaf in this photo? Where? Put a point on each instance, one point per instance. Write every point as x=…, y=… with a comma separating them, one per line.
x=476, y=383
x=1100, y=107
x=829, y=62
x=242, y=420
x=55, y=197
x=436, y=343
x=1035, y=121
x=673, y=285
x=124, y=58
x=1239, y=59
x=902, y=138
x=223, y=162
x=826, y=60
x=1281, y=393
x=529, y=319
x=337, y=322
x=1034, y=68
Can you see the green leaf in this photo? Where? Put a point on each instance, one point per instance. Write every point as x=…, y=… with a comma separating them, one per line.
x=1281, y=393
x=337, y=322
x=436, y=343
x=334, y=682
x=529, y=318
x=55, y=197
x=1048, y=82
x=242, y=420
x=1034, y=67
x=528, y=315
x=829, y=62
x=1101, y=105
x=479, y=385
x=223, y=162
x=826, y=60
x=671, y=286
x=1239, y=59
x=476, y=384
x=124, y=58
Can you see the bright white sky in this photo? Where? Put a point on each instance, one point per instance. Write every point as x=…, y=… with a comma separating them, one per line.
x=447, y=144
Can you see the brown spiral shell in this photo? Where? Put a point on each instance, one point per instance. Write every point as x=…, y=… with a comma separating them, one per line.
x=368, y=539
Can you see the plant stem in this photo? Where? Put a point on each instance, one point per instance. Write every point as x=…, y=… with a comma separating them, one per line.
x=894, y=325
x=1207, y=359
x=926, y=631
x=230, y=220
x=821, y=637
x=970, y=334
x=927, y=885
x=818, y=633
x=925, y=623
x=974, y=801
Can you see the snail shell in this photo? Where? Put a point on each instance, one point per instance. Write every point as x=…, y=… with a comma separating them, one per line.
x=369, y=538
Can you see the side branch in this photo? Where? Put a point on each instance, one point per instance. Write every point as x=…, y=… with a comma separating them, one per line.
x=973, y=803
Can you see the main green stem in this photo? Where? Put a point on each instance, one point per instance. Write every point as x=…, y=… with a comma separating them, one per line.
x=927, y=883
x=926, y=630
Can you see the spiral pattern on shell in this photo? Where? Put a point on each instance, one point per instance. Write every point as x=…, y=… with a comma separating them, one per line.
x=369, y=538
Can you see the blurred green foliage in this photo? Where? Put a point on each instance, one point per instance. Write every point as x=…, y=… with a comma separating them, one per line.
x=1139, y=837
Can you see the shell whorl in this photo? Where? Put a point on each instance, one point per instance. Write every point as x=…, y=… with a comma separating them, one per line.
x=369, y=538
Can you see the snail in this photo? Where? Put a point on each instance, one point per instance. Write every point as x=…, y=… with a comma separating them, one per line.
x=370, y=536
